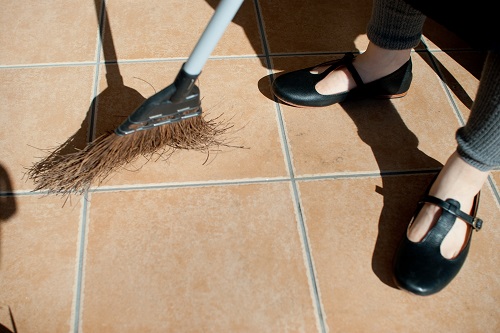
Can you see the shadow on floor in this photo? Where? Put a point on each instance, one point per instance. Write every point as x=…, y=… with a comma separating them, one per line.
x=7, y=199
x=395, y=147
x=7, y=323
x=8, y=205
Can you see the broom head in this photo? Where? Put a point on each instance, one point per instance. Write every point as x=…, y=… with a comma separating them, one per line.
x=167, y=121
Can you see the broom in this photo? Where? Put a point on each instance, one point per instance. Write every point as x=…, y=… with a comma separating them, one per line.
x=168, y=120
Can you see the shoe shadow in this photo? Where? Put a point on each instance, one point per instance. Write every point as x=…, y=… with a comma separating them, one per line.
x=106, y=111
x=395, y=148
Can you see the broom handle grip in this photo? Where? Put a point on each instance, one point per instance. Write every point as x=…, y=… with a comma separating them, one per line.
x=223, y=15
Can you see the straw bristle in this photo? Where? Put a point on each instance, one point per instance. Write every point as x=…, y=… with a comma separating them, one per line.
x=74, y=172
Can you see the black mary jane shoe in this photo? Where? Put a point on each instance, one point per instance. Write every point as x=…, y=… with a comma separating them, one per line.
x=420, y=268
x=298, y=88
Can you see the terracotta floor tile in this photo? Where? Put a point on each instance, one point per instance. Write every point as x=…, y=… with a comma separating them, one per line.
x=354, y=226
x=38, y=244
x=212, y=259
x=41, y=108
x=170, y=29
x=42, y=32
x=413, y=132
x=230, y=89
x=298, y=26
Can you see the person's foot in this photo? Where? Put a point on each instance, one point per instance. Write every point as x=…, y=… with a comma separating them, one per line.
x=383, y=74
x=371, y=65
x=457, y=180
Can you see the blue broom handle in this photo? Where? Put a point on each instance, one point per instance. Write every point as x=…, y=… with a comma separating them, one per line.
x=223, y=15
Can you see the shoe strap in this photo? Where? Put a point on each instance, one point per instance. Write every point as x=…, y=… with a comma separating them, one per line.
x=454, y=209
x=354, y=73
x=345, y=61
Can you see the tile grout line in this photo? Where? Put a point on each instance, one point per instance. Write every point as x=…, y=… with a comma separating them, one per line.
x=296, y=199
x=302, y=226
x=48, y=65
x=180, y=59
x=124, y=61
x=86, y=195
x=158, y=60
x=81, y=248
x=187, y=185
x=348, y=175
x=332, y=176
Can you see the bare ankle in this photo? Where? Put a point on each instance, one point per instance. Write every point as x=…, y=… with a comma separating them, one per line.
x=458, y=180
x=377, y=62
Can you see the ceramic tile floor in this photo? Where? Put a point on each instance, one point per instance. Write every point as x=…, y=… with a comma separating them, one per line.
x=294, y=233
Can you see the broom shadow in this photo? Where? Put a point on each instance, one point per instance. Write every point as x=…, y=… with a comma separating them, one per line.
x=117, y=97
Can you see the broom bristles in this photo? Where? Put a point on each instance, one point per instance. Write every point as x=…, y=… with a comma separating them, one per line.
x=75, y=172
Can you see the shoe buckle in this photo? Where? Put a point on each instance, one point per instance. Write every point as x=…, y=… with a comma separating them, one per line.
x=477, y=223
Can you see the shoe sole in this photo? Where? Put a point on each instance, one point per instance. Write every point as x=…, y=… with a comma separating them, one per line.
x=315, y=107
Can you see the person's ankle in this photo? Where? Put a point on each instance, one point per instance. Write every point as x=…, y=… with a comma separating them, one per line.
x=460, y=181
x=377, y=62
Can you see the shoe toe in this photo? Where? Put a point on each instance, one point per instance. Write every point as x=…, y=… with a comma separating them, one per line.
x=299, y=88
x=422, y=270
x=295, y=87
x=408, y=276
